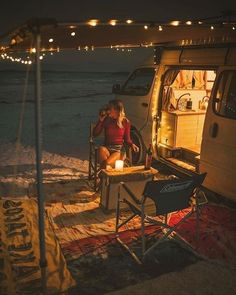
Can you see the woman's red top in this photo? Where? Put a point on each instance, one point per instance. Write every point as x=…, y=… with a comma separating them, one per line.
x=113, y=133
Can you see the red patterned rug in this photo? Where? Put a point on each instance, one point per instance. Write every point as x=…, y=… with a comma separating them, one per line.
x=217, y=235
x=217, y=232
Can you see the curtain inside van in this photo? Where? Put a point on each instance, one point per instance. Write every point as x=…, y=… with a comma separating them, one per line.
x=170, y=77
x=168, y=99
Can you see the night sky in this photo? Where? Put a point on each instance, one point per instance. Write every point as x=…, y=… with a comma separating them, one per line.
x=15, y=12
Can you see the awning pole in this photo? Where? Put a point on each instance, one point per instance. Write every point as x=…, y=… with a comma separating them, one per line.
x=39, y=176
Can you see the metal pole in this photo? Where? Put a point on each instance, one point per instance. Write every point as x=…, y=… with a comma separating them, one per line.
x=39, y=176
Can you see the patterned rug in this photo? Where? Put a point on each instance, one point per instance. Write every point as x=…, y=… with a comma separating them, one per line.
x=84, y=227
x=86, y=235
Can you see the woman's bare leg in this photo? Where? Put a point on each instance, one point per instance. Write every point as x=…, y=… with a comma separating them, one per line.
x=112, y=158
x=103, y=155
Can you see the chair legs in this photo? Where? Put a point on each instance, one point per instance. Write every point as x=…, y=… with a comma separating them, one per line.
x=95, y=169
x=93, y=166
x=143, y=229
x=167, y=233
x=119, y=225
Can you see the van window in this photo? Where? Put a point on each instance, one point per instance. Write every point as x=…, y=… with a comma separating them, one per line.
x=225, y=95
x=139, y=83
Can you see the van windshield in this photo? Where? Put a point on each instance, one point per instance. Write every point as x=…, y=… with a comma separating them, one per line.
x=139, y=83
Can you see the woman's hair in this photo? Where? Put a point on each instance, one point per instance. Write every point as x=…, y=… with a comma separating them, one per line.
x=119, y=107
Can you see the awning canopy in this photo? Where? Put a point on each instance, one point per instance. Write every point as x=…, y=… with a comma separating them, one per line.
x=96, y=34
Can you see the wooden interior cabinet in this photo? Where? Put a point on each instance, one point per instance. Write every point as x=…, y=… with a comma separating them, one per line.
x=182, y=129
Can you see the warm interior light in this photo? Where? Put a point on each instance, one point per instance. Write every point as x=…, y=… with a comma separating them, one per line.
x=72, y=34
x=174, y=23
x=233, y=28
x=145, y=27
x=119, y=165
x=129, y=21
x=200, y=23
x=50, y=40
x=212, y=27
x=93, y=22
x=160, y=28
x=189, y=23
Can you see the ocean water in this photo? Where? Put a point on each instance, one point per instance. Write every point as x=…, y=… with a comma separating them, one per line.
x=70, y=102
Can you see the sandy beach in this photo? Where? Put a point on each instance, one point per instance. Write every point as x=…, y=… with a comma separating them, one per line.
x=201, y=278
x=61, y=177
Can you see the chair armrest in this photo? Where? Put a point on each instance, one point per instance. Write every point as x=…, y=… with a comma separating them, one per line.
x=127, y=189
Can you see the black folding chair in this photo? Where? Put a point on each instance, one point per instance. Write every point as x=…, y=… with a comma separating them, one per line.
x=160, y=198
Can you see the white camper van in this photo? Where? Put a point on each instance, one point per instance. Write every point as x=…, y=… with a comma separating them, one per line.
x=184, y=102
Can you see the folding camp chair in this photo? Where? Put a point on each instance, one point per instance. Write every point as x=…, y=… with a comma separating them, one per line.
x=94, y=167
x=159, y=198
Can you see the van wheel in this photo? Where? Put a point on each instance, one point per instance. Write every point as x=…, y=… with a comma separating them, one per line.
x=137, y=158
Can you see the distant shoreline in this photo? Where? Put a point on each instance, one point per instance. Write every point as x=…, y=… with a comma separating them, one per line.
x=67, y=71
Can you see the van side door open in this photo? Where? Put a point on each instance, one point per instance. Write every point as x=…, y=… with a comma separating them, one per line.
x=185, y=93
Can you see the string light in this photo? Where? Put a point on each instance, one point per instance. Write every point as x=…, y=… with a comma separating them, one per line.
x=145, y=27
x=72, y=34
x=212, y=27
x=18, y=60
x=129, y=21
x=32, y=50
x=189, y=23
x=113, y=22
x=50, y=40
x=175, y=23
x=160, y=28
x=93, y=22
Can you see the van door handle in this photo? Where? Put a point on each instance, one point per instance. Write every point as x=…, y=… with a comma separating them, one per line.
x=144, y=104
x=214, y=130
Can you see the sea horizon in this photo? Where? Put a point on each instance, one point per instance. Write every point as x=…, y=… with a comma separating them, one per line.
x=70, y=103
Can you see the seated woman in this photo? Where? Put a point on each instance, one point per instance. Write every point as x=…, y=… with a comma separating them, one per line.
x=117, y=132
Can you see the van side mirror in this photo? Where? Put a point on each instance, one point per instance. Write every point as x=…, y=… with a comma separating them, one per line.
x=116, y=88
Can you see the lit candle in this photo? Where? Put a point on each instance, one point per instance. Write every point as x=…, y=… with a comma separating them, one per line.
x=119, y=165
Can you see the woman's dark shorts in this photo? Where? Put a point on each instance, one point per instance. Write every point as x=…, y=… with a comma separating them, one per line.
x=112, y=148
